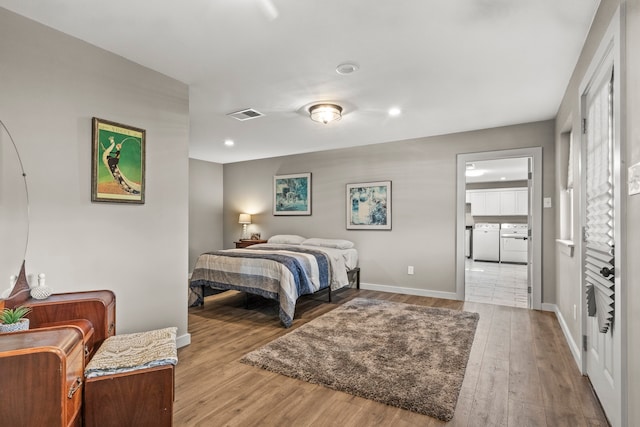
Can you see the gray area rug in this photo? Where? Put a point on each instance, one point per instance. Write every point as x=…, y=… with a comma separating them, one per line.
x=408, y=356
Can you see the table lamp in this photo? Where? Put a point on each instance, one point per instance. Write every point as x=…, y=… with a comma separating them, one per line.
x=244, y=219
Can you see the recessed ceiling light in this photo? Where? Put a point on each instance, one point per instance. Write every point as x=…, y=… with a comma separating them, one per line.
x=394, y=112
x=503, y=178
x=229, y=142
x=470, y=166
x=476, y=172
x=347, y=68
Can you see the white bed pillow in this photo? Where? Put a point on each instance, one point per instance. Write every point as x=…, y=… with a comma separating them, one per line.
x=286, y=239
x=329, y=243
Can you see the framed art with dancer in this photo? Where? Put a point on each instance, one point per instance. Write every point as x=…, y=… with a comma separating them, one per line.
x=117, y=163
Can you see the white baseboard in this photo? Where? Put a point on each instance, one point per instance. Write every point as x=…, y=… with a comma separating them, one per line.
x=548, y=307
x=409, y=291
x=573, y=346
x=183, y=340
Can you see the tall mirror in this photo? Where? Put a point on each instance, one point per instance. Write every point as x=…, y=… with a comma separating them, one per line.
x=14, y=210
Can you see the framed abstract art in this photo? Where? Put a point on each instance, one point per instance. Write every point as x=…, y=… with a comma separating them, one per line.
x=292, y=194
x=369, y=206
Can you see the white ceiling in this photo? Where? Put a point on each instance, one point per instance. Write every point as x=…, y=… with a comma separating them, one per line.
x=450, y=65
x=499, y=170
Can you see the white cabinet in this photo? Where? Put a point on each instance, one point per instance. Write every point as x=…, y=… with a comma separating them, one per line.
x=522, y=202
x=507, y=202
x=477, y=200
x=498, y=201
x=492, y=203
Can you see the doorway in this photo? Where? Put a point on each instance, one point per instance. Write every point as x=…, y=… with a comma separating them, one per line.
x=524, y=236
x=497, y=224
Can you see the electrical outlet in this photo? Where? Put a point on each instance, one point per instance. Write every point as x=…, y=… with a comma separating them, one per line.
x=575, y=312
x=410, y=269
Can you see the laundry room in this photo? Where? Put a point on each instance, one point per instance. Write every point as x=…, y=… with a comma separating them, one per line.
x=497, y=232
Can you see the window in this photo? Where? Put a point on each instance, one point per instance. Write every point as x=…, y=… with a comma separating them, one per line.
x=567, y=156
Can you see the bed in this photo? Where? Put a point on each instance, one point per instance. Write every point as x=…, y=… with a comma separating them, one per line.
x=283, y=269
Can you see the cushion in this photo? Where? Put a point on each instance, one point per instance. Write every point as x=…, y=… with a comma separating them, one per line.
x=329, y=243
x=131, y=352
x=286, y=239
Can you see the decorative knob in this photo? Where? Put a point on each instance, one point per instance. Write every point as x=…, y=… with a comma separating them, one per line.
x=607, y=271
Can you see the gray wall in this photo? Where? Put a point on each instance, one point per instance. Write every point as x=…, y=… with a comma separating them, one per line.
x=205, y=208
x=423, y=175
x=633, y=210
x=51, y=86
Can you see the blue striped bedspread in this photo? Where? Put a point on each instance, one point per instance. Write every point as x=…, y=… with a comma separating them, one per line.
x=278, y=272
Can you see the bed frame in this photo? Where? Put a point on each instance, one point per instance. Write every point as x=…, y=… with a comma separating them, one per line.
x=353, y=275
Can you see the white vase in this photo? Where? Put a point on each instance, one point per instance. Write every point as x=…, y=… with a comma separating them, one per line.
x=41, y=291
x=20, y=325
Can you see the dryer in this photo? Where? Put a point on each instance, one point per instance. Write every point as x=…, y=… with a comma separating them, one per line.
x=514, y=243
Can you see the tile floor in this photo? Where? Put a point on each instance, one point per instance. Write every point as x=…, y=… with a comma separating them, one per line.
x=496, y=283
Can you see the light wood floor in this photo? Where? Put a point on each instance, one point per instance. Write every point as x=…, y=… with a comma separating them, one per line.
x=520, y=372
x=496, y=283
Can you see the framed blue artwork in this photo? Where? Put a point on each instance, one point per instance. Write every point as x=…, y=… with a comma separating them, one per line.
x=292, y=194
x=369, y=206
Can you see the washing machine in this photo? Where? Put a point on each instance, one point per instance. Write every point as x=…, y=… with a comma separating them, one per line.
x=486, y=242
x=514, y=243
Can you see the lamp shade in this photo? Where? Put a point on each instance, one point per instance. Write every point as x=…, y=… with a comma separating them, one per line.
x=244, y=219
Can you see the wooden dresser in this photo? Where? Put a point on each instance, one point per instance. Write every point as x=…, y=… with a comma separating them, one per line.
x=42, y=369
x=41, y=378
x=98, y=307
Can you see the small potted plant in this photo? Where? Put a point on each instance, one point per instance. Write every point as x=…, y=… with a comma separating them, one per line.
x=12, y=319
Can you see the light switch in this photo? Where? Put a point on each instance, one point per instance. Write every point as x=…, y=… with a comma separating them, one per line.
x=547, y=202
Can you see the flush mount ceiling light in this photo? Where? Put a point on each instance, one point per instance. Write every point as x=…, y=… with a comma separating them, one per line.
x=325, y=113
x=394, y=111
x=474, y=172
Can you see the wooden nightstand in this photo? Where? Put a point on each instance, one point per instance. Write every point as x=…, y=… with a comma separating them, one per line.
x=247, y=243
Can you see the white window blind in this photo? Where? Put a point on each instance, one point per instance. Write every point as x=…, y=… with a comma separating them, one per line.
x=599, y=236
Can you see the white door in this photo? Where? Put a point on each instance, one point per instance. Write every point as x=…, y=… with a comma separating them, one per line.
x=598, y=258
x=530, y=224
